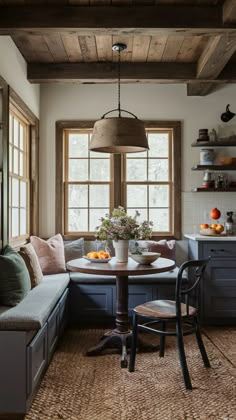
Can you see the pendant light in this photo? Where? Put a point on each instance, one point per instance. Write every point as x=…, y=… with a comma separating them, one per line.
x=119, y=134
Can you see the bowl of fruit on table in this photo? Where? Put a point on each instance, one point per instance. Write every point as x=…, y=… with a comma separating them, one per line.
x=98, y=257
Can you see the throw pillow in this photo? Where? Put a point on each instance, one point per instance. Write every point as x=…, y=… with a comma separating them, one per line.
x=74, y=249
x=50, y=254
x=14, y=278
x=164, y=247
x=30, y=258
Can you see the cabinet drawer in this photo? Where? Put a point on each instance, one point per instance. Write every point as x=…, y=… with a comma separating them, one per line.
x=53, y=331
x=36, y=359
x=222, y=249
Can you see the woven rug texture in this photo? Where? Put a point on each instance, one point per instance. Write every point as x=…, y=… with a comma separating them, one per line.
x=77, y=387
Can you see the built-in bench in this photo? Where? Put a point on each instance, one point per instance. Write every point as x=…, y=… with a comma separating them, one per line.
x=30, y=331
x=28, y=335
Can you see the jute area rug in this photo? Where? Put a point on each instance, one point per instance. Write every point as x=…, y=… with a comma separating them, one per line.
x=77, y=387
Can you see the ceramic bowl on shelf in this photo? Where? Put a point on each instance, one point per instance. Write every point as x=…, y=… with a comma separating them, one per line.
x=145, y=257
x=226, y=160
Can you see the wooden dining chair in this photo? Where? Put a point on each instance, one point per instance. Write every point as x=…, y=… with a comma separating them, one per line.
x=158, y=315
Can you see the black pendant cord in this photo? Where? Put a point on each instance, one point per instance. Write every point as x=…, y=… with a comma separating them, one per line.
x=119, y=47
x=119, y=109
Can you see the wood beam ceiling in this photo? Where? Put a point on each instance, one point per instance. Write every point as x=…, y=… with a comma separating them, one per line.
x=107, y=72
x=216, y=21
x=95, y=20
x=229, y=11
x=214, y=58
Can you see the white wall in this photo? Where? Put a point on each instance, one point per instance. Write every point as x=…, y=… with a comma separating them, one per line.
x=13, y=69
x=147, y=101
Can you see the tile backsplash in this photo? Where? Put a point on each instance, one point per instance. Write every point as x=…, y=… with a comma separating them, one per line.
x=196, y=208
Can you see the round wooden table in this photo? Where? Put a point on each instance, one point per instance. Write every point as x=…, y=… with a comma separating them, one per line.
x=119, y=337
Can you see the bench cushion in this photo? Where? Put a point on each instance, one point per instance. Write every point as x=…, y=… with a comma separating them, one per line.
x=33, y=311
x=166, y=278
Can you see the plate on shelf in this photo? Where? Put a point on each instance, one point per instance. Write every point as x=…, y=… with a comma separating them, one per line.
x=97, y=260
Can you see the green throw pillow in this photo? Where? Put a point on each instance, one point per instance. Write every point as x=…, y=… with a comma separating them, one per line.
x=14, y=277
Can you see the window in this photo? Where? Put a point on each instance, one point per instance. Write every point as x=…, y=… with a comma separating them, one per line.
x=22, y=174
x=149, y=181
x=19, y=180
x=87, y=183
x=92, y=184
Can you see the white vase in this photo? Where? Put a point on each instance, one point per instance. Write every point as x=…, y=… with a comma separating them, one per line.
x=121, y=250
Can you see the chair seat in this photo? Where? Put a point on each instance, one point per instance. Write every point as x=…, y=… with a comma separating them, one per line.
x=163, y=309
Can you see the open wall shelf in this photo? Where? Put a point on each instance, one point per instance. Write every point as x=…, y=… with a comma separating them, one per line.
x=215, y=167
x=214, y=144
x=202, y=189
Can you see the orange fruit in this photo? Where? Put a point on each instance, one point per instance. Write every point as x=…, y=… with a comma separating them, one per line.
x=215, y=213
x=106, y=255
x=219, y=228
x=94, y=255
x=213, y=225
x=204, y=226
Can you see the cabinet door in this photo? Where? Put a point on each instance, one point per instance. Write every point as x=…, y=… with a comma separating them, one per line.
x=36, y=359
x=63, y=311
x=138, y=295
x=91, y=301
x=219, y=289
x=53, y=331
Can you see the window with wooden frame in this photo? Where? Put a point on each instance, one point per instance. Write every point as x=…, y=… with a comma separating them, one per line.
x=92, y=184
x=87, y=182
x=149, y=181
x=23, y=172
x=19, y=177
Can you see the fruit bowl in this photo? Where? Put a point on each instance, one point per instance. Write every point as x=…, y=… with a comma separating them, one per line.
x=145, y=257
x=210, y=232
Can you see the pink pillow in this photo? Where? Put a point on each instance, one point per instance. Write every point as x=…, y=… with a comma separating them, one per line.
x=164, y=247
x=50, y=254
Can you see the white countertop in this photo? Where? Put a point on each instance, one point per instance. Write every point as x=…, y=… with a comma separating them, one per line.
x=198, y=237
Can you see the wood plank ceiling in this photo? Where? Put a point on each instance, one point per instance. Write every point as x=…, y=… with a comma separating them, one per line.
x=183, y=41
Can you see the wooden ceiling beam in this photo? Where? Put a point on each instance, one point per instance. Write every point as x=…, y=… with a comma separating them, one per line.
x=214, y=58
x=116, y=20
x=229, y=11
x=199, y=89
x=130, y=72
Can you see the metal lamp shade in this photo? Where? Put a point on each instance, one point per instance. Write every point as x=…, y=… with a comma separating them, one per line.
x=119, y=135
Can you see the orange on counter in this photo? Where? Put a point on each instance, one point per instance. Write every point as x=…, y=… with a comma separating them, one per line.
x=213, y=225
x=204, y=226
x=219, y=228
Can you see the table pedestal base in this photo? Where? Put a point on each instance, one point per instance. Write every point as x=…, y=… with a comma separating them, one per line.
x=121, y=342
x=113, y=340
